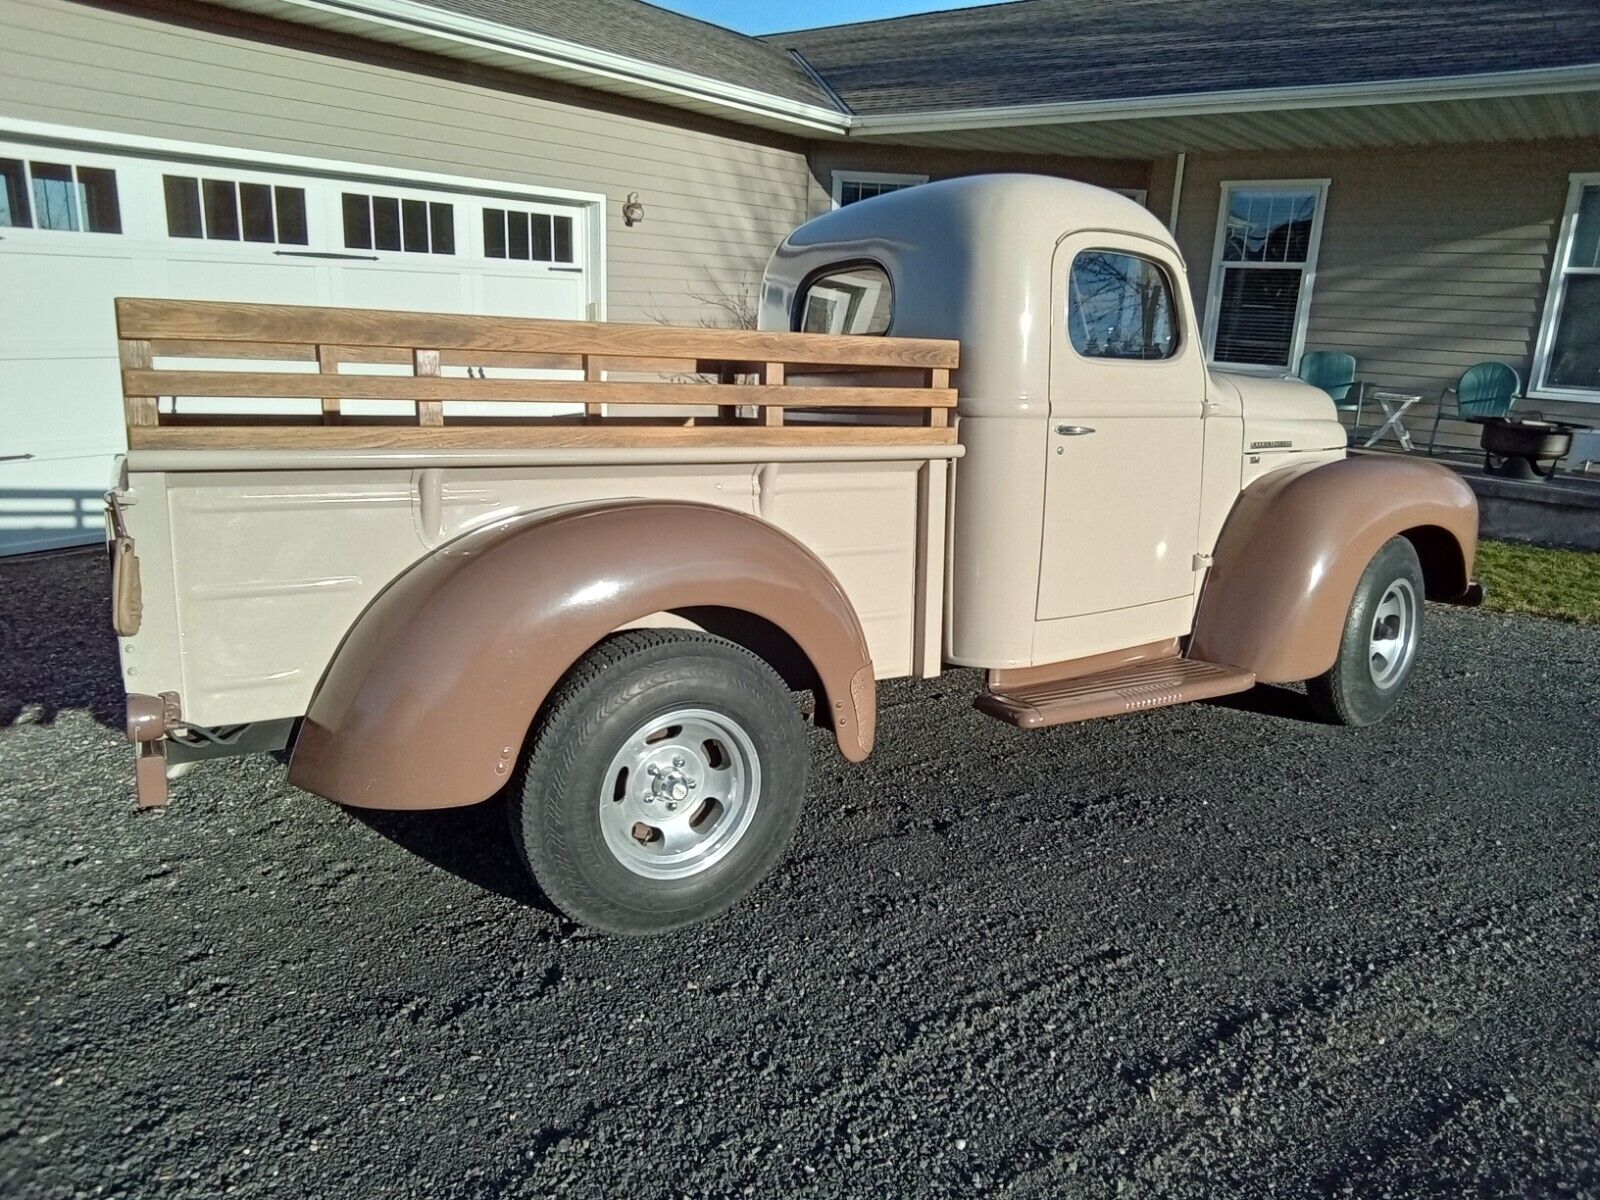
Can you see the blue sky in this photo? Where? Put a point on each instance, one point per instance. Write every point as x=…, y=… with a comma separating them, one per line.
x=762, y=16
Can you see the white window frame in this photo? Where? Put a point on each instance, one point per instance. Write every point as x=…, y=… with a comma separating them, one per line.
x=840, y=178
x=1555, y=296
x=1308, y=271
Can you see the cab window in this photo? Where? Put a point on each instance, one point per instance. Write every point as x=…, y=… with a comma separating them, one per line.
x=852, y=299
x=1120, y=306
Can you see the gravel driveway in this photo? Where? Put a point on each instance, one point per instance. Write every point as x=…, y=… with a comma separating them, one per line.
x=1208, y=951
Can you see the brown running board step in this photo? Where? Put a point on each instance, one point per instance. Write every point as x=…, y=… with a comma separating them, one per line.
x=1133, y=688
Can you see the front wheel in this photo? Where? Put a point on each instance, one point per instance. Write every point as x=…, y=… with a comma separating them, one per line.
x=1379, y=645
x=664, y=781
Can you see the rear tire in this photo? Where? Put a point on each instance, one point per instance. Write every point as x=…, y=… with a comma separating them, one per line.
x=1379, y=644
x=663, y=782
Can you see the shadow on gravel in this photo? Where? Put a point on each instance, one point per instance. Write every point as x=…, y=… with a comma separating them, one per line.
x=472, y=843
x=1270, y=700
x=57, y=651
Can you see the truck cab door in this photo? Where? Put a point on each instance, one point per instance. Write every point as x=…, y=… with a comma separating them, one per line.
x=1123, y=447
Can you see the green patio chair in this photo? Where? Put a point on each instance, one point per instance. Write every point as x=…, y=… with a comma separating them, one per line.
x=1485, y=390
x=1334, y=372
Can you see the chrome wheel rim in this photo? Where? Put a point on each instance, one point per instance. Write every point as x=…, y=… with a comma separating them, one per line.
x=1393, y=638
x=680, y=794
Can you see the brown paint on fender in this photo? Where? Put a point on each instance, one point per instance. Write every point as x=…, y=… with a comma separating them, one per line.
x=427, y=702
x=1296, y=543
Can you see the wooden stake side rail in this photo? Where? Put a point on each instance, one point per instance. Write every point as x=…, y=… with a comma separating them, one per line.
x=897, y=390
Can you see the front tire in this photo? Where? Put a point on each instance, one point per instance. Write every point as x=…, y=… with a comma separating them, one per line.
x=1379, y=644
x=663, y=782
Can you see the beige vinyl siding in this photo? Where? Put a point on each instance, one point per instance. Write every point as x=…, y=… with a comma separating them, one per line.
x=1431, y=260
x=717, y=199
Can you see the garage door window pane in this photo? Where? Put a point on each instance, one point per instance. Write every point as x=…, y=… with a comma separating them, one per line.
x=290, y=204
x=414, y=226
x=98, y=187
x=442, y=225
x=183, y=207
x=14, y=207
x=357, y=222
x=517, y=235
x=221, y=209
x=494, y=233
x=255, y=204
x=563, y=239
x=55, y=198
x=385, y=223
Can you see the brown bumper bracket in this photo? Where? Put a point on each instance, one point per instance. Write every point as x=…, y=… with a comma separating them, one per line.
x=150, y=719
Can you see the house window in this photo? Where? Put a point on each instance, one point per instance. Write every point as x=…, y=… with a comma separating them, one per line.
x=224, y=210
x=390, y=223
x=1261, y=272
x=852, y=299
x=529, y=236
x=1568, y=359
x=44, y=195
x=1120, y=306
x=850, y=186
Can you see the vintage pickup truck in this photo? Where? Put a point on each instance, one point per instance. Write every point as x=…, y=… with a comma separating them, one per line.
x=396, y=550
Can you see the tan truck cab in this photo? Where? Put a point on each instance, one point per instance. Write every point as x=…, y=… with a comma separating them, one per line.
x=609, y=613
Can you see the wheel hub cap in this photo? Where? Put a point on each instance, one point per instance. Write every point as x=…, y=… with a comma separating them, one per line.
x=680, y=793
x=1393, y=639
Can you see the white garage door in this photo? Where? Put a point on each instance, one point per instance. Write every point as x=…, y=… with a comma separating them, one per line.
x=79, y=227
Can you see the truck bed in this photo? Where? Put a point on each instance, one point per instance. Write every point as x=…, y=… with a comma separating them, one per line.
x=285, y=464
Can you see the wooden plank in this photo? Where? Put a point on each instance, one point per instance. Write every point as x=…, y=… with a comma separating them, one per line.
x=393, y=355
x=140, y=410
x=215, y=321
x=328, y=364
x=501, y=437
x=293, y=384
x=425, y=365
x=938, y=377
x=593, y=372
x=772, y=376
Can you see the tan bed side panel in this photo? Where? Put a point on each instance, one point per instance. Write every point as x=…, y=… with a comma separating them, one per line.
x=1294, y=547
x=427, y=703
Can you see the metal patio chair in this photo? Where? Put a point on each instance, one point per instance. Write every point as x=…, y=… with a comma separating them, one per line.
x=1334, y=372
x=1485, y=390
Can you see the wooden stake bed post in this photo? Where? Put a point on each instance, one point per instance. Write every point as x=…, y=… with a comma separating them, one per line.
x=789, y=372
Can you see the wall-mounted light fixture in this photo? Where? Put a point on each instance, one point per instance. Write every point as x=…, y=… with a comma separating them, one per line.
x=632, y=210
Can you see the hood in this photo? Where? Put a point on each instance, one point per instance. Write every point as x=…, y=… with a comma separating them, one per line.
x=1283, y=415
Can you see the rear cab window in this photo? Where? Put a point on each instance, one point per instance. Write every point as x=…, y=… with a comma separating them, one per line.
x=852, y=298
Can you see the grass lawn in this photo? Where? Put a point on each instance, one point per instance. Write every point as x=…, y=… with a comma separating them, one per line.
x=1551, y=583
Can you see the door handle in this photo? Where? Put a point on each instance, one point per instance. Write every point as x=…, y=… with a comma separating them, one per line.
x=1074, y=430
x=15, y=457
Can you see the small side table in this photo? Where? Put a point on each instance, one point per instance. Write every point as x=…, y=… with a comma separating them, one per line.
x=1395, y=406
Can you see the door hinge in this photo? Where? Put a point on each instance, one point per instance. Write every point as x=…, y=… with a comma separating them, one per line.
x=1201, y=561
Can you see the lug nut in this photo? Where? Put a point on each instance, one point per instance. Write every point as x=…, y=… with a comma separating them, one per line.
x=677, y=760
x=652, y=769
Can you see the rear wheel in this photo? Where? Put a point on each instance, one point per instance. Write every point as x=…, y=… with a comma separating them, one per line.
x=1379, y=644
x=664, y=781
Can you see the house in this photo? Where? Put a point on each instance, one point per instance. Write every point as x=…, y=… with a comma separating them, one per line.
x=1416, y=184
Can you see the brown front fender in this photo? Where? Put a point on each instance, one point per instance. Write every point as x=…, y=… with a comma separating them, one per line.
x=429, y=699
x=1296, y=543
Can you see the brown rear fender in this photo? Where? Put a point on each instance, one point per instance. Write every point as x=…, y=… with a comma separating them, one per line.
x=1296, y=543
x=429, y=699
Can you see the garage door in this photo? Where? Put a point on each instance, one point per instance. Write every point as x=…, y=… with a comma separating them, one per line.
x=79, y=227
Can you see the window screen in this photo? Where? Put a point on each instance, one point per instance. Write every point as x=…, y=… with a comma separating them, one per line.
x=1120, y=306
x=852, y=299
